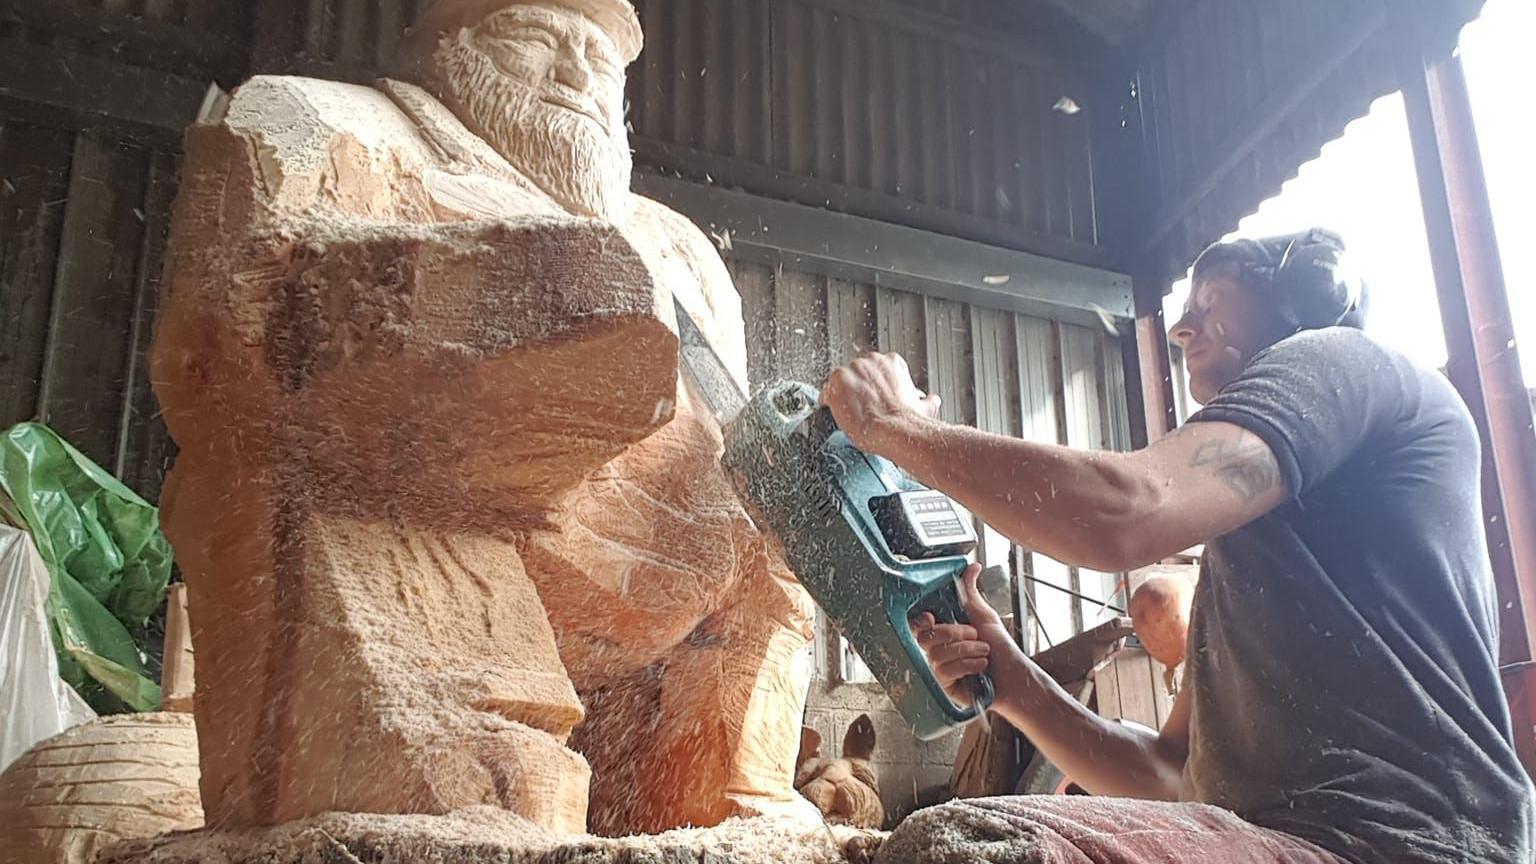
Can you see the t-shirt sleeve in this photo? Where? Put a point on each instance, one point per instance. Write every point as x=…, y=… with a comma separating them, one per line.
x=1316, y=398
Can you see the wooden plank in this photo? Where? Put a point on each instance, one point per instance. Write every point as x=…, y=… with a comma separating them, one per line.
x=1039, y=364
x=1086, y=427
x=34, y=179
x=800, y=326
x=754, y=282
x=950, y=372
x=899, y=325
x=1112, y=393
x=1106, y=690
x=996, y=380
x=88, y=329
x=1038, y=370
x=178, y=677
x=1138, y=678
x=994, y=351
x=1080, y=370
x=850, y=320
x=144, y=447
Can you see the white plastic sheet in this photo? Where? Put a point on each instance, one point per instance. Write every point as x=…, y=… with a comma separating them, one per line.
x=34, y=702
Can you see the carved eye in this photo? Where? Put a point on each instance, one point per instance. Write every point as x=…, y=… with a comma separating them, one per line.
x=536, y=35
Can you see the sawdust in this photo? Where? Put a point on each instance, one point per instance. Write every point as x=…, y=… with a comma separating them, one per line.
x=481, y=835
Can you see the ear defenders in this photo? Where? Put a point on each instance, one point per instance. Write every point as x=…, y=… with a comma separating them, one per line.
x=1307, y=282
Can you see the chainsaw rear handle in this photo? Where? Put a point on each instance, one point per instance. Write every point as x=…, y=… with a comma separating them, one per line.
x=944, y=603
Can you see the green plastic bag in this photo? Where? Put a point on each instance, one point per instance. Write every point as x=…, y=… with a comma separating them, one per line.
x=105, y=553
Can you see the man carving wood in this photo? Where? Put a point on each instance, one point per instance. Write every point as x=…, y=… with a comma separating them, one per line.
x=1341, y=699
x=420, y=357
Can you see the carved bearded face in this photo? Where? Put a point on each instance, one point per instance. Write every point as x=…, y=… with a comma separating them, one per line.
x=545, y=86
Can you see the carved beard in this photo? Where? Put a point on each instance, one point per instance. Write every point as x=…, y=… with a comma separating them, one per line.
x=583, y=167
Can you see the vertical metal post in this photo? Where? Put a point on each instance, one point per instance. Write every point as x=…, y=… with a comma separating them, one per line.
x=1483, y=364
x=1148, y=288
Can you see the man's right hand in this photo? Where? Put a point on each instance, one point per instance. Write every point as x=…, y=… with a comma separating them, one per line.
x=958, y=651
x=872, y=396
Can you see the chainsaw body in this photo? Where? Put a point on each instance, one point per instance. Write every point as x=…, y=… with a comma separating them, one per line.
x=871, y=545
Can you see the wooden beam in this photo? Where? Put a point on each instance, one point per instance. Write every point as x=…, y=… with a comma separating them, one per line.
x=1484, y=361
x=709, y=168
x=1265, y=118
x=896, y=256
x=1148, y=289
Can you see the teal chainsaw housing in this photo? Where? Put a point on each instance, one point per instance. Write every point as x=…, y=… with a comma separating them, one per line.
x=807, y=484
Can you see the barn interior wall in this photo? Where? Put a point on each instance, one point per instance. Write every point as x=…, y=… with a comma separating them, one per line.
x=936, y=117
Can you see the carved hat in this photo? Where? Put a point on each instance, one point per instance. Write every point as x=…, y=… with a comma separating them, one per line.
x=616, y=17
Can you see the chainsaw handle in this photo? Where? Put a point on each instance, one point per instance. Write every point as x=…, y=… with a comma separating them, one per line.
x=946, y=611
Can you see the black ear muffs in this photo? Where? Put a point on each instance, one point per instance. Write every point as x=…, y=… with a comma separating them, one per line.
x=1309, y=288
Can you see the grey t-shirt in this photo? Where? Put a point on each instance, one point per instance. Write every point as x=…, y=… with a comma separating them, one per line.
x=1342, y=648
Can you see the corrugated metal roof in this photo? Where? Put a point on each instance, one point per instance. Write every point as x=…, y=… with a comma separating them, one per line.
x=1244, y=92
x=1114, y=21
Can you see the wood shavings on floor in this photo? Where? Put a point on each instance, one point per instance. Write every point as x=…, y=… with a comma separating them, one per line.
x=482, y=835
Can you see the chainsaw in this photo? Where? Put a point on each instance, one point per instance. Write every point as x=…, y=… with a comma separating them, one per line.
x=872, y=546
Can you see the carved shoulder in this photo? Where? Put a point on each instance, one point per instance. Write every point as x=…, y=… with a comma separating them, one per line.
x=686, y=261
x=290, y=145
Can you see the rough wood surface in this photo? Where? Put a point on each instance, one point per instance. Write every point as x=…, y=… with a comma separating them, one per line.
x=117, y=778
x=679, y=625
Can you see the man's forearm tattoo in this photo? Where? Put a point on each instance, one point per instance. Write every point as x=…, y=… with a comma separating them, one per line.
x=1248, y=471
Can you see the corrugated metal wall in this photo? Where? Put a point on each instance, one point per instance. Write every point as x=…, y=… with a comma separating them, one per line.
x=205, y=39
x=82, y=232
x=854, y=107
x=899, y=115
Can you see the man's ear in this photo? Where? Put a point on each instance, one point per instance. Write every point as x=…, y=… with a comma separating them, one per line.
x=859, y=742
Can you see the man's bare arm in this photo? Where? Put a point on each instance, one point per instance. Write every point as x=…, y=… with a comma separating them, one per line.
x=1107, y=511
x=1103, y=756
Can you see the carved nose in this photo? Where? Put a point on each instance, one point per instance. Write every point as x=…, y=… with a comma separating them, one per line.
x=571, y=70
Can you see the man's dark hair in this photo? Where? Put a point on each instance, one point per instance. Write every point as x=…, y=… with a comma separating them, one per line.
x=1298, y=275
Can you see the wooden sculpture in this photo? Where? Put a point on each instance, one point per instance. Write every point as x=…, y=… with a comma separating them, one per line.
x=438, y=460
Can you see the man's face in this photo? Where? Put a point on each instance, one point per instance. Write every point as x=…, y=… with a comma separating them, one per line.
x=564, y=58
x=545, y=87
x=1223, y=326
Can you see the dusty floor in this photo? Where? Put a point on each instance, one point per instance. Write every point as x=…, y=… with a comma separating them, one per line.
x=482, y=835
